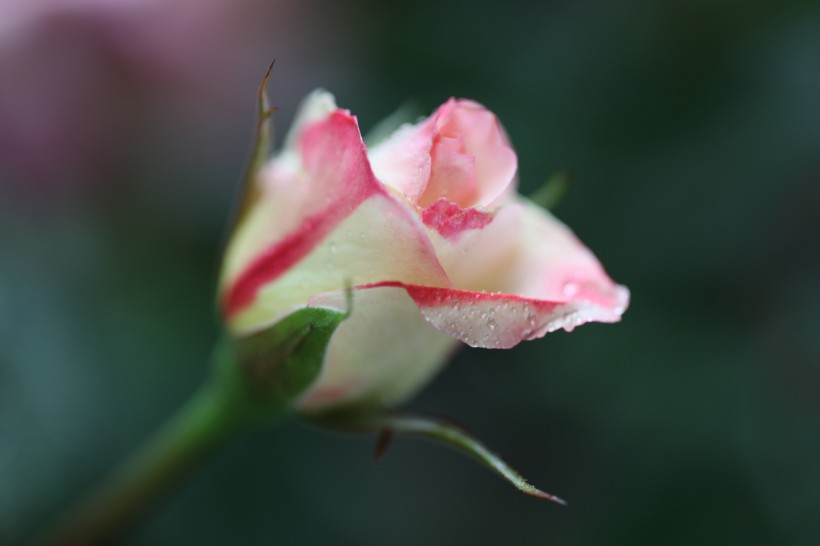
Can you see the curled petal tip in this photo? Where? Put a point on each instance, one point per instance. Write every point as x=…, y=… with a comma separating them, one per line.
x=622, y=298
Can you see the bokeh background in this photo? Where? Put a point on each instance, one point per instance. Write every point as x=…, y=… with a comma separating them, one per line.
x=691, y=133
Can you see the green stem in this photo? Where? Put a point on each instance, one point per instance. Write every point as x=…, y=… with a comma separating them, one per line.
x=254, y=380
x=191, y=434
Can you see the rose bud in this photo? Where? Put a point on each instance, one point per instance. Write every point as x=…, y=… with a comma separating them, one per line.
x=426, y=232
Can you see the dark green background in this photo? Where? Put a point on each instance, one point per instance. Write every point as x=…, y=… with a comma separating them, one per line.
x=691, y=132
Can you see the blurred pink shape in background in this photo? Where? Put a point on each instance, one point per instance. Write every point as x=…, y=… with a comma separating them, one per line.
x=88, y=83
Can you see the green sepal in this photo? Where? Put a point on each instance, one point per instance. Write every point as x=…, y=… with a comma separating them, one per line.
x=260, y=152
x=550, y=194
x=388, y=425
x=267, y=371
x=284, y=360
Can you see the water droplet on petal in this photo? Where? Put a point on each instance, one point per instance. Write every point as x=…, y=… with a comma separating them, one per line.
x=570, y=289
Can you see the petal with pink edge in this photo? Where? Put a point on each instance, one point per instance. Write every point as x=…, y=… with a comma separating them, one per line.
x=285, y=195
x=341, y=238
x=500, y=321
x=522, y=275
x=527, y=252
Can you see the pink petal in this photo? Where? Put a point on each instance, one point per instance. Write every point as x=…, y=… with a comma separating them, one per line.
x=452, y=173
x=352, y=231
x=460, y=153
x=523, y=275
x=493, y=320
x=336, y=169
x=314, y=108
x=484, y=139
x=285, y=197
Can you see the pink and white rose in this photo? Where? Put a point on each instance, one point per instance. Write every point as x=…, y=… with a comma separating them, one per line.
x=427, y=228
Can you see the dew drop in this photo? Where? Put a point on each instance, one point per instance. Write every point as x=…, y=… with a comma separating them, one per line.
x=570, y=289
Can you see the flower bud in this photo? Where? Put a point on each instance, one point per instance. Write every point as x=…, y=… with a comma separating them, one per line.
x=427, y=231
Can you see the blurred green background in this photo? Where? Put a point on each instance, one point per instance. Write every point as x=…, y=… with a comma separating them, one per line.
x=691, y=132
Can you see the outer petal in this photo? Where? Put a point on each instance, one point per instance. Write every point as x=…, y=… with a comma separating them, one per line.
x=283, y=194
x=493, y=320
x=381, y=355
x=315, y=107
x=523, y=275
x=355, y=232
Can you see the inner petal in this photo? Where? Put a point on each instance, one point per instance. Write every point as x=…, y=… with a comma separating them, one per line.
x=452, y=173
x=495, y=161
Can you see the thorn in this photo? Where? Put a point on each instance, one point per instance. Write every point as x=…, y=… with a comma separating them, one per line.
x=383, y=443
